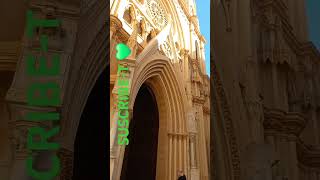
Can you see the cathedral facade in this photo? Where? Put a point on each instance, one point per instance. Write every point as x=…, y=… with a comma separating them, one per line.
x=265, y=92
x=168, y=91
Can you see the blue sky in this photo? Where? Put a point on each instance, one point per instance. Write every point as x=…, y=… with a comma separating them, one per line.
x=313, y=14
x=203, y=12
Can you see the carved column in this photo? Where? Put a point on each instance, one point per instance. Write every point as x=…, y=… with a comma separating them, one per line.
x=116, y=151
x=293, y=164
x=193, y=159
x=184, y=56
x=285, y=129
x=144, y=32
x=18, y=138
x=115, y=26
x=18, y=143
x=60, y=41
x=192, y=132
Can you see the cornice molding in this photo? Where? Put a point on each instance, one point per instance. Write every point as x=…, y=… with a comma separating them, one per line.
x=278, y=121
x=9, y=55
x=60, y=9
x=308, y=155
x=198, y=100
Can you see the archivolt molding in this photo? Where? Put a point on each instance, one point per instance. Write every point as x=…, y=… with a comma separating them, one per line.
x=228, y=124
x=153, y=66
x=158, y=73
x=91, y=67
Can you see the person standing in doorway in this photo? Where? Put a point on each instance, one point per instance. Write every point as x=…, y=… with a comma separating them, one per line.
x=181, y=175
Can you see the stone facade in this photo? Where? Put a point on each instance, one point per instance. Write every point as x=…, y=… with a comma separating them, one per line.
x=81, y=42
x=168, y=56
x=265, y=92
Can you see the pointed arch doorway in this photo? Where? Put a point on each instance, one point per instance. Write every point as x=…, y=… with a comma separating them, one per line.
x=140, y=159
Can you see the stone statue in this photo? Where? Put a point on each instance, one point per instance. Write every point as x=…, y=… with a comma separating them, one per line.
x=292, y=92
x=253, y=103
x=132, y=41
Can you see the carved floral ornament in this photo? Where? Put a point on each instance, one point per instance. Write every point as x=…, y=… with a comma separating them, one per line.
x=157, y=13
x=226, y=113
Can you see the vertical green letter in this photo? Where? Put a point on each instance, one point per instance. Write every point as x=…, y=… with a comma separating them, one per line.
x=42, y=90
x=43, y=135
x=32, y=23
x=49, y=175
x=43, y=69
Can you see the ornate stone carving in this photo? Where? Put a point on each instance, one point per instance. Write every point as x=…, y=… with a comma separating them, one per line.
x=231, y=138
x=132, y=41
x=115, y=24
x=66, y=159
x=19, y=139
x=288, y=123
x=308, y=155
x=166, y=48
x=193, y=159
x=157, y=13
x=18, y=135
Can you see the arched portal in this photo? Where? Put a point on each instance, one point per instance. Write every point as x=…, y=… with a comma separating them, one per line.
x=90, y=159
x=140, y=157
x=155, y=71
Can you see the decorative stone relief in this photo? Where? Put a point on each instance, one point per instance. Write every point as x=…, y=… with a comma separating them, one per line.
x=66, y=159
x=132, y=41
x=157, y=13
x=166, y=48
x=193, y=159
x=18, y=138
x=231, y=138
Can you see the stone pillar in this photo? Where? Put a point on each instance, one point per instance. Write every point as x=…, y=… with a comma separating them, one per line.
x=315, y=125
x=184, y=56
x=5, y=155
x=18, y=142
x=275, y=87
x=18, y=137
x=293, y=161
x=60, y=41
x=115, y=26
x=192, y=129
x=193, y=158
x=116, y=151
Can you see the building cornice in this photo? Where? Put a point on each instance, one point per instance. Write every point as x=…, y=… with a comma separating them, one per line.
x=281, y=122
x=308, y=155
x=9, y=54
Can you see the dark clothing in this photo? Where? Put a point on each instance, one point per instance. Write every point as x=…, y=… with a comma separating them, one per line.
x=182, y=178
